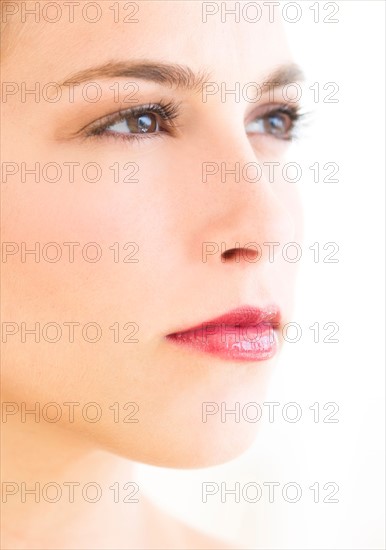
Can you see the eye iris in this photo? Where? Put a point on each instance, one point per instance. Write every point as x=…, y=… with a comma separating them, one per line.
x=278, y=123
x=143, y=124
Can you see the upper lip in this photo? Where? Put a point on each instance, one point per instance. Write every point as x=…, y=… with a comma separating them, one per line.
x=242, y=316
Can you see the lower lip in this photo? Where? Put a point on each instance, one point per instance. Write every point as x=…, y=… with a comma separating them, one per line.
x=230, y=342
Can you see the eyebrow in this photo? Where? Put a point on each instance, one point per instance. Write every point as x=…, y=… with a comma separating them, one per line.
x=173, y=75
x=283, y=75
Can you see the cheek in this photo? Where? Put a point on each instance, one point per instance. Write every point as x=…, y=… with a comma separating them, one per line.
x=296, y=205
x=287, y=258
x=84, y=232
x=289, y=193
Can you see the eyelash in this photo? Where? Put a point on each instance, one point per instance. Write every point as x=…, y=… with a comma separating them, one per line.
x=166, y=111
x=292, y=111
x=169, y=111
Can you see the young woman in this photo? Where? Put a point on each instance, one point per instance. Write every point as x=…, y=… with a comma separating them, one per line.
x=143, y=284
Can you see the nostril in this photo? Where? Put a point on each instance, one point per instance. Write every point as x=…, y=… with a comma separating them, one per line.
x=237, y=254
x=232, y=253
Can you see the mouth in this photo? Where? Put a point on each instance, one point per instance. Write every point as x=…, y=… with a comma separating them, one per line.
x=243, y=334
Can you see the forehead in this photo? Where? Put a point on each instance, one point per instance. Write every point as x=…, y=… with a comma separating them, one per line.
x=60, y=38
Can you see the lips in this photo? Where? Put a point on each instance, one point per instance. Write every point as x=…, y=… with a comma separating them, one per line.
x=243, y=334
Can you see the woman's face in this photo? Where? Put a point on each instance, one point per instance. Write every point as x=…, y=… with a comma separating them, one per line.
x=163, y=183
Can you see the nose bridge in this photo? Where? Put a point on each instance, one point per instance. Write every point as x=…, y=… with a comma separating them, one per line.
x=238, y=183
x=244, y=207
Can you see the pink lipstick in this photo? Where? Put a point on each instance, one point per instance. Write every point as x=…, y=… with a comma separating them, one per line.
x=243, y=334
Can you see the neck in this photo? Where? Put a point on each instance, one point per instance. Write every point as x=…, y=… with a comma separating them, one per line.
x=62, y=492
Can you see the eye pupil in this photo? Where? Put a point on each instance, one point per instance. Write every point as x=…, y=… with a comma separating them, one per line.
x=276, y=122
x=146, y=123
x=279, y=123
x=136, y=124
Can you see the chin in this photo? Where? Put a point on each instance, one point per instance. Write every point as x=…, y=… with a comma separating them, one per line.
x=185, y=447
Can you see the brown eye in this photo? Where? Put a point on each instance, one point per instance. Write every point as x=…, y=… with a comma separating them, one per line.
x=146, y=123
x=277, y=123
x=151, y=120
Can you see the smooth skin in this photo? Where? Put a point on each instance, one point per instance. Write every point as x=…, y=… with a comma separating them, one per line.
x=169, y=213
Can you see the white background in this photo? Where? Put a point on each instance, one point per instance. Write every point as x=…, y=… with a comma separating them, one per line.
x=350, y=293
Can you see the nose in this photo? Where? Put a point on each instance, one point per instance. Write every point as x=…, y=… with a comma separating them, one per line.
x=241, y=213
